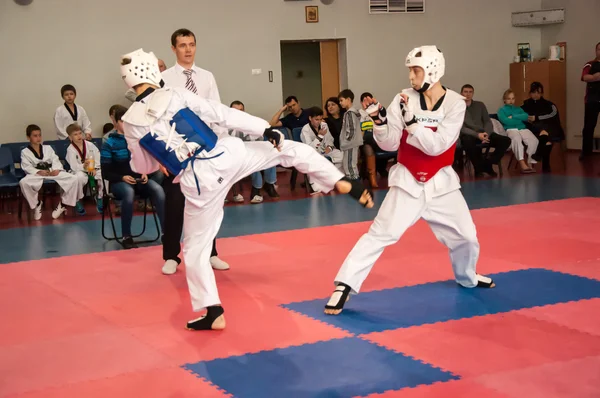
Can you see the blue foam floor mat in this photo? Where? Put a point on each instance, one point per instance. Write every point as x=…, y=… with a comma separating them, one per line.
x=345, y=367
x=428, y=303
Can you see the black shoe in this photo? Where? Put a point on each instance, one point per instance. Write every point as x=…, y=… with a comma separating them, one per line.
x=490, y=171
x=270, y=190
x=383, y=173
x=128, y=243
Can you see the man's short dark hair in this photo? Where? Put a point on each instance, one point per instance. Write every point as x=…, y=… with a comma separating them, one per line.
x=346, y=94
x=67, y=87
x=31, y=128
x=365, y=95
x=467, y=86
x=181, y=32
x=238, y=103
x=290, y=99
x=315, y=111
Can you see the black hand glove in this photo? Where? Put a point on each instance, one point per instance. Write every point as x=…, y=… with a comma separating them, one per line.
x=275, y=137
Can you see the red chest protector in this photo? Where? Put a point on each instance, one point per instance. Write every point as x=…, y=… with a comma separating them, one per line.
x=422, y=166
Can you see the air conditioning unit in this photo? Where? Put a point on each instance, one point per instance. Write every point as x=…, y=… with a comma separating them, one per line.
x=539, y=17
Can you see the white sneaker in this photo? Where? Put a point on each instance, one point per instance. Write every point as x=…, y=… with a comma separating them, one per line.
x=218, y=264
x=37, y=212
x=257, y=199
x=60, y=209
x=238, y=198
x=170, y=267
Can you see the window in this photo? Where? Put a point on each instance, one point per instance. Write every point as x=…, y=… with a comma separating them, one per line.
x=396, y=6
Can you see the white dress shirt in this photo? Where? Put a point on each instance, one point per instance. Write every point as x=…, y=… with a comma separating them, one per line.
x=203, y=79
x=206, y=86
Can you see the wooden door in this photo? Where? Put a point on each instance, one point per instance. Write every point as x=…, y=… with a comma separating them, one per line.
x=517, y=80
x=330, y=70
x=557, y=89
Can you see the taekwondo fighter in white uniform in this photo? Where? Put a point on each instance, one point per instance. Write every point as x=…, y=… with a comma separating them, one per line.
x=423, y=123
x=169, y=127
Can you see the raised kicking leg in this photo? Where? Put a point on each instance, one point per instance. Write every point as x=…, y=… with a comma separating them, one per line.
x=323, y=174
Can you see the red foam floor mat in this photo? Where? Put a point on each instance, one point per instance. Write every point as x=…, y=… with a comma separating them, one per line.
x=110, y=324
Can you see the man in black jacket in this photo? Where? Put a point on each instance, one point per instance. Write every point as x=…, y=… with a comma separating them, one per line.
x=545, y=121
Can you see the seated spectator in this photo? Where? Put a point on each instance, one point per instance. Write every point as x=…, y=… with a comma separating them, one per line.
x=111, y=115
x=39, y=162
x=544, y=117
x=124, y=183
x=334, y=115
x=296, y=117
x=350, y=136
x=70, y=113
x=316, y=134
x=257, y=178
x=84, y=159
x=513, y=120
x=478, y=128
x=106, y=130
x=370, y=146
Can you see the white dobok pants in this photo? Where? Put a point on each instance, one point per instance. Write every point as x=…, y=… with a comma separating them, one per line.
x=520, y=137
x=448, y=217
x=83, y=178
x=71, y=191
x=204, y=211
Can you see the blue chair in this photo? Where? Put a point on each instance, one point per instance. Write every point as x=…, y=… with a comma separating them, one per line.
x=8, y=180
x=97, y=142
x=107, y=199
x=15, y=149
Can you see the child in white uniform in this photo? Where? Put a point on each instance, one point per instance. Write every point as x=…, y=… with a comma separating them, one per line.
x=84, y=159
x=39, y=162
x=423, y=123
x=69, y=113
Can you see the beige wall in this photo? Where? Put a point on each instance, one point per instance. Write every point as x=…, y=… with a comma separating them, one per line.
x=581, y=31
x=53, y=42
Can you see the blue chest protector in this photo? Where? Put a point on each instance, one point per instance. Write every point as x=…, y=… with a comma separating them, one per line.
x=193, y=130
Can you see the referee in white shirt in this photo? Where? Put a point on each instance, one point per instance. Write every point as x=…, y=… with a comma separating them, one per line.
x=199, y=81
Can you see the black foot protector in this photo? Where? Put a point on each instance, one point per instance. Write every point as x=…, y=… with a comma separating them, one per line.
x=206, y=321
x=357, y=190
x=484, y=281
x=338, y=299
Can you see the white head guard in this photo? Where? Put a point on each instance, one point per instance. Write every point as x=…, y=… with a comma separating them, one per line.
x=431, y=60
x=139, y=67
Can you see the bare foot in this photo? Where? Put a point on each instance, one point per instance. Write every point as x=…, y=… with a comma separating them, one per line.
x=219, y=323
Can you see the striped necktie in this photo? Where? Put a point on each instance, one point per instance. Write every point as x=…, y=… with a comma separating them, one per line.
x=189, y=84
